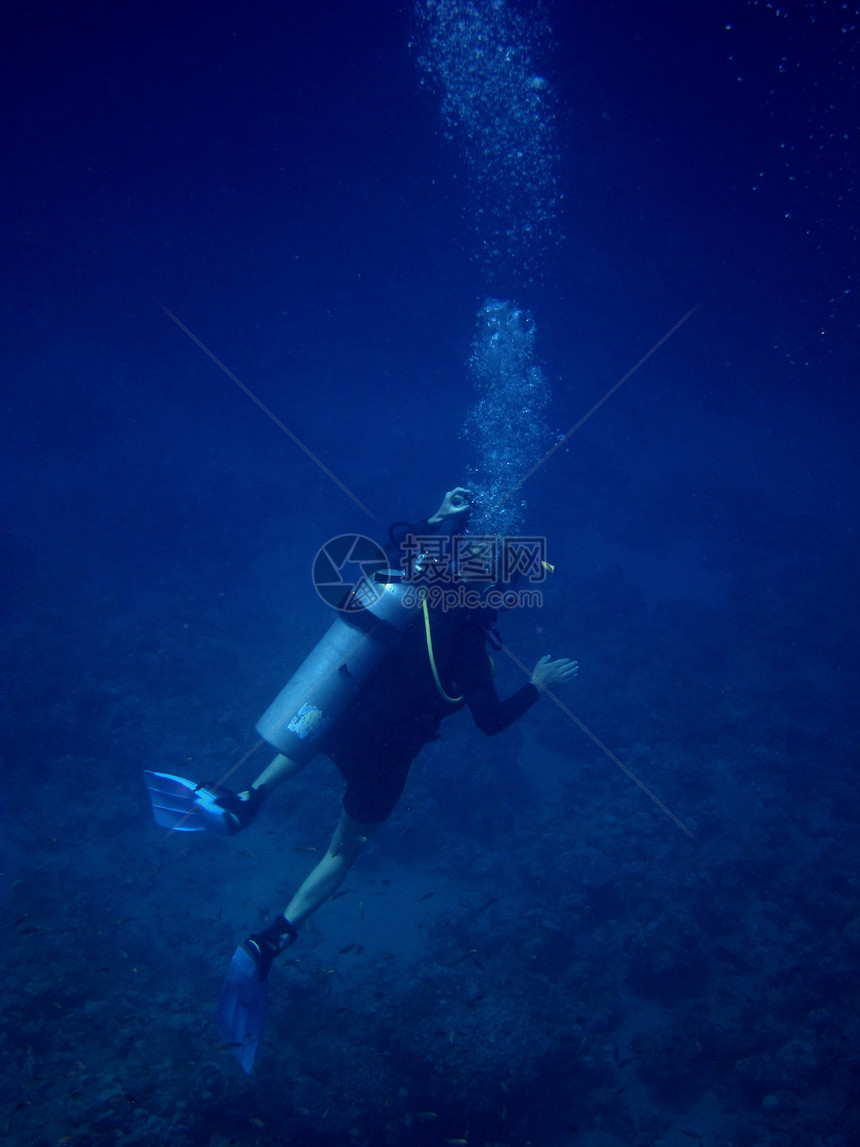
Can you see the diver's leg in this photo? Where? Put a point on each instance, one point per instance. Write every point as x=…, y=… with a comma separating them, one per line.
x=239, y=809
x=324, y=880
x=349, y=838
x=373, y=794
x=278, y=770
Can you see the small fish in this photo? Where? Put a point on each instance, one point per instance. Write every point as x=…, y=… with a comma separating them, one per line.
x=348, y=948
x=244, y=852
x=691, y=1134
x=307, y=848
x=255, y=1122
x=387, y=883
x=465, y=956
x=126, y=920
x=20, y=920
x=427, y=896
x=220, y=1046
x=425, y=1116
x=361, y=910
x=488, y=904
x=456, y=1142
x=342, y=892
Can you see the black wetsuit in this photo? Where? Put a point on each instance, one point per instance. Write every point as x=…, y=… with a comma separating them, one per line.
x=399, y=709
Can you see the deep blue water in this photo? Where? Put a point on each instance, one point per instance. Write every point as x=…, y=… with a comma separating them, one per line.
x=283, y=179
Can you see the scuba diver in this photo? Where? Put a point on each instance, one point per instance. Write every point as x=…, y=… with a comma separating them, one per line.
x=371, y=695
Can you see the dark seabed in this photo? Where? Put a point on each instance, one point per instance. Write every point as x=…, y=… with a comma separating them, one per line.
x=530, y=951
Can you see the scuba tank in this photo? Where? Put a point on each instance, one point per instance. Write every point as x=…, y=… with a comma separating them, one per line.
x=330, y=676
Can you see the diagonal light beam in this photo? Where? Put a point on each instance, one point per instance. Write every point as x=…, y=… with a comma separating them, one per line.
x=269, y=413
x=598, y=404
x=596, y=740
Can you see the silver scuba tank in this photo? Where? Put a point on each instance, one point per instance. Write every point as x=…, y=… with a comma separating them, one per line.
x=331, y=675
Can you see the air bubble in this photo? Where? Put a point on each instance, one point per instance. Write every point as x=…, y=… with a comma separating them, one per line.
x=508, y=434
x=482, y=57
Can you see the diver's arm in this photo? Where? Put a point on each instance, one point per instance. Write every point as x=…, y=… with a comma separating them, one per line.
x=473, y=678
x=456, y=503
x=491, y=714
x=548, y=673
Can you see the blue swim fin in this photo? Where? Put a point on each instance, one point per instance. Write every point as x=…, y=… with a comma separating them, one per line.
x=242, y=1007
x=183, y=806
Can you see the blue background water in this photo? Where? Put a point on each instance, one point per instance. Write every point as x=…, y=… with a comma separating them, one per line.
x=278, y=177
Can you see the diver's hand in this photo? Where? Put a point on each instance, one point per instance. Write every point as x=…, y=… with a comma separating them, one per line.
x=457, y=501
x=548, y=673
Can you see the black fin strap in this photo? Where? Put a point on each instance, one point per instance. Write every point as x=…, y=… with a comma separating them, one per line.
x=278, y=930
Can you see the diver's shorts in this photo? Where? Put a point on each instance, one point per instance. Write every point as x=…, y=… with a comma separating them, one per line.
x=373, y=792
x=373, y=787
x=374, y=756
